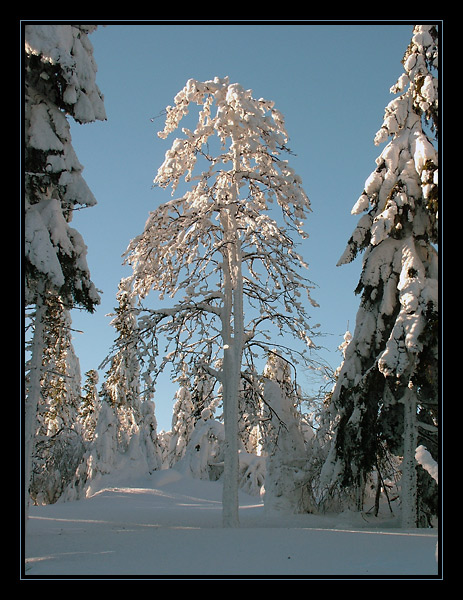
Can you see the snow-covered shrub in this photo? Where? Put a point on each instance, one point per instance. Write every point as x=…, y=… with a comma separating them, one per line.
x=251, y=472
x=204, y=454
x=287, y=459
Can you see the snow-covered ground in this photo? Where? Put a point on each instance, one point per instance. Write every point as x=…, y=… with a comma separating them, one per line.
x=171, y=525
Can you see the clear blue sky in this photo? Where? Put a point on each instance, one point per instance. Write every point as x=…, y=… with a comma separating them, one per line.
x=330, y=81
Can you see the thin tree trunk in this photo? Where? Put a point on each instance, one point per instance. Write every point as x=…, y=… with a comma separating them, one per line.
x=230, y=475
x=409, y=477
x=233, y=350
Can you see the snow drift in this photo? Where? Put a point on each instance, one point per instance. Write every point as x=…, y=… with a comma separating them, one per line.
x=169, y=525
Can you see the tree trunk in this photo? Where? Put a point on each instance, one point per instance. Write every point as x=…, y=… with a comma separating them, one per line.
x=231, y=371
x=32, y=401
x=230, y=474
x=409, y=477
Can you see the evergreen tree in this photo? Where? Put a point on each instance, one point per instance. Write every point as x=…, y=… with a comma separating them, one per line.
x=59, y=81
x=386, y=394
x=203, y=393
x=121, y=387
x=150, y=446
x=102, y=453
x=183, y=423
x=194, y=396
x=219, y=245
x=90, y=405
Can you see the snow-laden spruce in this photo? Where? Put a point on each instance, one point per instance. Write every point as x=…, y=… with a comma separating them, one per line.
x=386, y=395
x=220, y=250
x=59, y=81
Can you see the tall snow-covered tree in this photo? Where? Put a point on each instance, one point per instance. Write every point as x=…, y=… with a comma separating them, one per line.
x=59, y=81
x=387, y=390
x=219, y=250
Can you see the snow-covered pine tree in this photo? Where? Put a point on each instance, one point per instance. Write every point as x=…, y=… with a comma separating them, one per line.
x=59, y=81
x=203, y=391
x=221, y=247
x=121, y=387
x=150, y=446
x=183, y=422
x=102, y=453
x=89, y=405
x=387, y=390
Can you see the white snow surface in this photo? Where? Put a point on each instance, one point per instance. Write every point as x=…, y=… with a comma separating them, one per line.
x=170, y=525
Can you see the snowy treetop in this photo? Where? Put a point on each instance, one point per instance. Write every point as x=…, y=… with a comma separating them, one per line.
x=257, y=133
x=407, y=169
x=68, y=47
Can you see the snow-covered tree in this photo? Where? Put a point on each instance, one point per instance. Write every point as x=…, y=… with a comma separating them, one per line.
x=203, y=457
x=134, y=411
x=59, y=81
x=121, y=387
x=100, y=457
x=58, y=438
x=182, y=424
x=149, y=444
x=219, y=250
x=387, y=386
x=61, y=370
x=249, y=409
x=89, y=405
x=203, y=391
x=287, y=459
